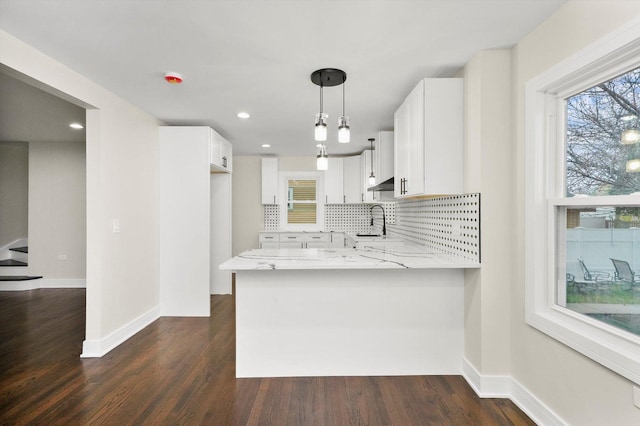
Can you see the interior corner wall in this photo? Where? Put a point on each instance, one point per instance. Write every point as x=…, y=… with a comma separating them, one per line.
x=122, y=187
x=487, y=171
x=57, y=213
x=14, y=191
x=246, y=201
x=577, y=389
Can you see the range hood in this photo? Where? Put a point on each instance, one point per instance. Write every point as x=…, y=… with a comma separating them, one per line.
x=387, y=185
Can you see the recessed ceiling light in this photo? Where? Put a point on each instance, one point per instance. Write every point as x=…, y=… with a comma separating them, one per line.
x=266, y=145
x=243, y=115
x=76, y=126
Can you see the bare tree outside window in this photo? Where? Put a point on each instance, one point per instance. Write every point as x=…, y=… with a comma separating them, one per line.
x=603, y=138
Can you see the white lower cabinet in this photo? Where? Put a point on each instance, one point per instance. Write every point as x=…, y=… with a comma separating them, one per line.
x=301, y=240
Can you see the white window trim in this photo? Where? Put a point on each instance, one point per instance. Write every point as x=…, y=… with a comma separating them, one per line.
x=544, y=167
x=283, y=178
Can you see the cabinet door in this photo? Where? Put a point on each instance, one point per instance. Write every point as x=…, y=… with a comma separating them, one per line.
x=337, y=240
x=383, y=157
x=269, y=245
x=269, y=180
x=352, y=176
x=444, y=136
x=333, y=182
x=401, y=148
x=293, y=244
x=365, y=167
x=220, y=152
x=414, y=184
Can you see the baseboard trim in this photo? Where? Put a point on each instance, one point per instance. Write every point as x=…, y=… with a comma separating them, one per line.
x=63, y=283
x=43, y=283
x=491, y=386
x=19, y=285
x=99, y=348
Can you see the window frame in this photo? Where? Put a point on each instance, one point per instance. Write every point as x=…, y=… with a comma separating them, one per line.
x=283, y=190
x=612, y=55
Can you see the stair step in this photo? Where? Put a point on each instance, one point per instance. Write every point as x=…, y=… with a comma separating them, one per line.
x=12, y=262
x=18, y=277
x=20, y=249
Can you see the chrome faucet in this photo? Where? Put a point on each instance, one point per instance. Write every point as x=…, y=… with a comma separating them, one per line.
x=384, y=220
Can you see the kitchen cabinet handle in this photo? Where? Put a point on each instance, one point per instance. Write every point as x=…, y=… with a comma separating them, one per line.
x=274, y=199
x=326, y=199
x=344, y=198
x=362, y=196
x=224, y=162
x=292, y=237
x=316, y=238
x=268, y=238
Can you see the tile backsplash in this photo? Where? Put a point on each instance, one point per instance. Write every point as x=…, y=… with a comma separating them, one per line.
x=448, y=223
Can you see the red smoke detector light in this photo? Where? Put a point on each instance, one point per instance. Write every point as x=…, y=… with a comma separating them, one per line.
x=173, y=78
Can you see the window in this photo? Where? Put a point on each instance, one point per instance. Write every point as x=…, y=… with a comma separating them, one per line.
x=301, y=211
x=582, y=203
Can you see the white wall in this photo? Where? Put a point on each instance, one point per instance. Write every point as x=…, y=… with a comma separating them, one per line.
x=122, y=184
x=247, y=196
x=487, y=170
x=57, y=209
x=578, y=389
x=246, y=203
x=14, y=191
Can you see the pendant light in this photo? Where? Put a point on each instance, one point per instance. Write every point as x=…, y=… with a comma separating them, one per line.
x=344, y=132
x=320, y=132
x=329, y=77
x=372, y=177
x=322, y=160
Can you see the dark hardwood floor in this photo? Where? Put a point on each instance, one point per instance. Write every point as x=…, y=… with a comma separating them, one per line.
x=181, y=371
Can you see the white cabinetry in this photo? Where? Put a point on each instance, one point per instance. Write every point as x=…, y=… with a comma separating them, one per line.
x=428, y=131
x=333, y=182
x=194, y=209
x=352, y=180
x=383, y=157
x=366, y=158
x=221, y=152
x=301, y=240
x=270, y=180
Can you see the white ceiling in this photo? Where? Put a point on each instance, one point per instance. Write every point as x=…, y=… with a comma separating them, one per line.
x=257, y=56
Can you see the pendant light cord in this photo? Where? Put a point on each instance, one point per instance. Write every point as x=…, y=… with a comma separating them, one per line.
x=343, y=84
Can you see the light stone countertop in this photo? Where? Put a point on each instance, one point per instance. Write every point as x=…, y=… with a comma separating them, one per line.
x=386, y=257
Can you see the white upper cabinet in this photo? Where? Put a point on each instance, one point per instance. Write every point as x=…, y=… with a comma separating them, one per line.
x=366, y=159
x=428, y=133
x=383, y=157
x=270, y=180
x=221, y=152
x=333, y=181
x=352, y=180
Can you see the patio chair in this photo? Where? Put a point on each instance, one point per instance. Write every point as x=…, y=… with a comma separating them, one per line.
x=623, y=273
x=591, y=279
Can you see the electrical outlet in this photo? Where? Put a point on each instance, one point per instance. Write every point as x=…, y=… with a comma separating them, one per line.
x=636, y=396
x=62, y=257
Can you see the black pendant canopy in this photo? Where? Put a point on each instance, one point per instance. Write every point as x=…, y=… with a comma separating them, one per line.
x=328, y=77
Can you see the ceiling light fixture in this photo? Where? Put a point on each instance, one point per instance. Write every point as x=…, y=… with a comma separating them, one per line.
x=322, y=162
x=76, y=126
x=266, y=145
x=344, y=132
x=372, y=177
x=329, y=77
x=173, y=78
x=243, y=114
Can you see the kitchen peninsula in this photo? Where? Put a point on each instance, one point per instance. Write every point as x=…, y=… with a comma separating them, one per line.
x=390, y=310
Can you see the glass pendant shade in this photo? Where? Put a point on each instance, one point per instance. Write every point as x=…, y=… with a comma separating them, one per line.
x=344, y=132
x=629, y=137
x=322, y=161
x=372, y=179
x=320, y=133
